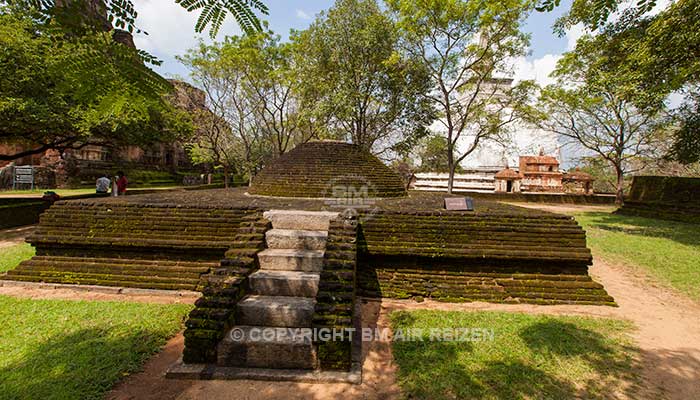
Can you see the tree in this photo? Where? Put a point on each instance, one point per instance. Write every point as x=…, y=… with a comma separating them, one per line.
x=251, y=94
x=81, y=86
x=268, y=75
x=660, y=55
x=686, y=146
x=65, y=94
x=353, y=75
x=462, y=45
x=123, y=14
x=233, y=139
x=433, y=154
x=590, y=106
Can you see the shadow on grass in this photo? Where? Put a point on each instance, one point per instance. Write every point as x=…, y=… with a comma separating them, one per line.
x=445, y=370
x=684, y=233
x=81, y=365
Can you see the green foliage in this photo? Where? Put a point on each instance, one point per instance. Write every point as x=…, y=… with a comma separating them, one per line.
x=527, y=356
x=433, y=154
x=123, y=14
x=591, y=105
x=57, y=349
x=463, y=45
x=666, y=251
x=652, y=56
x=214, y=13
x=254, y=111
x=354, y=76
x=686, y=146
x=594, y=13
x=63, y=91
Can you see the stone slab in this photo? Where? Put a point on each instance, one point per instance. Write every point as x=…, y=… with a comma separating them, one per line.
x=284, y=283
x=296, y=239
x=264, y=347
x=299, y=219
x=291, y=260
x=276, y=311
x=214, y=372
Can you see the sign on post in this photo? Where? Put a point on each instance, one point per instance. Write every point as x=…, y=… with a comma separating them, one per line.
x=24, y=175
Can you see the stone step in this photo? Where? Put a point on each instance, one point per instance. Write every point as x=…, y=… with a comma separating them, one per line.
x=276, y=311
x=291, y=260
x=296, y=239
x=297, y=219
x=265, y=347
x=284, y=283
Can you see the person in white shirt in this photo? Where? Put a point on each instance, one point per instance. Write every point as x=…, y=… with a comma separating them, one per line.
x=102, y=185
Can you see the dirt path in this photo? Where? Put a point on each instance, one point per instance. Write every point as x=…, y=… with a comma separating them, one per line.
x=567, y=208
x=668, y=335
x=71, y=294
x=11, y=237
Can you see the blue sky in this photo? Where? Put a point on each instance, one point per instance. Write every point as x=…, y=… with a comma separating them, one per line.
x=171, y=32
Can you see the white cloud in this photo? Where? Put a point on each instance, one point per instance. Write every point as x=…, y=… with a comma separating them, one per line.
x=302, y=14
x=538, y=69
x=573, y=34
x=171, y=28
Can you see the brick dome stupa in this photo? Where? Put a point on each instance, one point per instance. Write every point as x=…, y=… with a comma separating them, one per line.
x=319, y=169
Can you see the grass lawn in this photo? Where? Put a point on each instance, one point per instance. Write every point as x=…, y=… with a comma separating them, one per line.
x=667, y=251
x=11, y=256
x=75, y=192
x=530, y=357
x=40, y=192
x=59, y=349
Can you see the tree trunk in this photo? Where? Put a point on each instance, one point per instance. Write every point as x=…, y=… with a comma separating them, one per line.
x=225, y=177
x=620, y=195
x=450, y=169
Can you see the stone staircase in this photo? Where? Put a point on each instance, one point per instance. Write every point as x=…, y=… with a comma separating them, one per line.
x=282, y=296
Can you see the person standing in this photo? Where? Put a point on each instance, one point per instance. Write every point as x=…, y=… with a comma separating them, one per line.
x=122, y=183
x=102, y=184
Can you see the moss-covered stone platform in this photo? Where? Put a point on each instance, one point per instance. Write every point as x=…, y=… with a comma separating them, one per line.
x=664, y=197
x=92, y=242
x=408, y=247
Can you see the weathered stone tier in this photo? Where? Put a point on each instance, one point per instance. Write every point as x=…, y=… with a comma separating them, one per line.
x=549, y=237
x=223, y=288
x=483, y=256
x=668, y=211
x=335, y=301
x=320, y=169
x=134, y=273
x=664, y=197
x=128, y=245
x=460, y=283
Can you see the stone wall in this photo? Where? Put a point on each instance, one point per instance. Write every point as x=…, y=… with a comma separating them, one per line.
x=21, y=213
x=128, y=245
x=664, y=197
x=468, y=257
x=223, y=287
x=336, y=296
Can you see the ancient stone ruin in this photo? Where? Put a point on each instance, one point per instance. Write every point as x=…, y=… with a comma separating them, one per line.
x=288, y=254
x=664, y=197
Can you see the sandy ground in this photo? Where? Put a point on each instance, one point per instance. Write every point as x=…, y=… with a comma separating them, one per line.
x=566, y=208
x=11, y=237
x=668, y=335
x=71, y=294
